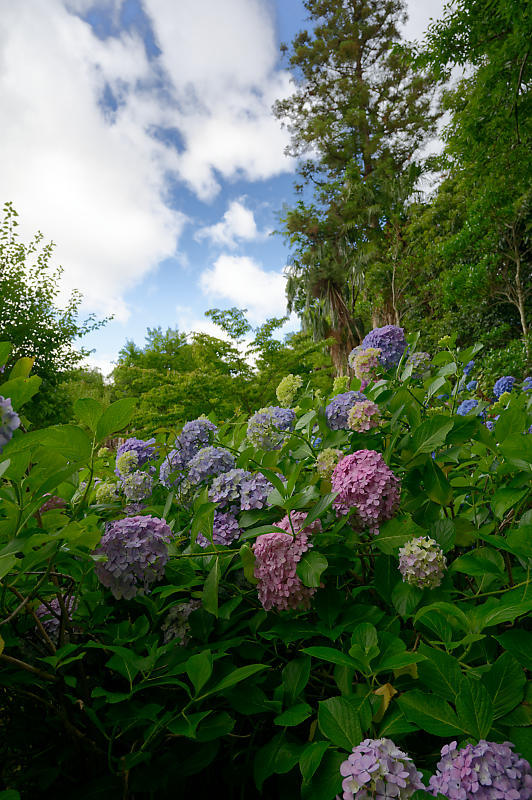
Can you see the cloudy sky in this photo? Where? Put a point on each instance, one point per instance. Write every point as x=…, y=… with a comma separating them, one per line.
x=138, y=136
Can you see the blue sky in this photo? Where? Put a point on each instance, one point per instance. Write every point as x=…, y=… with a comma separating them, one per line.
x=139, y=138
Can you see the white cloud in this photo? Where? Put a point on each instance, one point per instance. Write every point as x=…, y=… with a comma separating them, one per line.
x=420, y=14
x=240, y=281
x=238, y=223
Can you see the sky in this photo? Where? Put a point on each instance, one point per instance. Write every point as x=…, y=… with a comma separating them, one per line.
x=138, y=136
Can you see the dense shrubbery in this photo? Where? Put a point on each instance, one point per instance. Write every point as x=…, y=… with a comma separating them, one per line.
x=303, y=602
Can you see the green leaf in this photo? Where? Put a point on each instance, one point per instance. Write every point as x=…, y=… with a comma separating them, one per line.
x=214, y=728
x=517, y=450
x=318, y=509
x=474, y=708
x=505, y=683
x=326, y=783
x=295, y=677
x=443, y=532
x=394, y=533
x=479, y=562
x=88, y=411
x=519, y=644
x=430, y=713
x=236, y=676
x=431, y=434
x=5, y=350
x=199, y=669
x=311, y=758
x=338, y=720
x=331, y=655
x=440, y=672
x=406, y=598
x=278, y=756
x=248, y=563
x=209, y=596
x=504, y=499
x=294, y=715
x=22, y=368
x=115, y=417
x=437, y=486
x=311, y=567
x=20, y=390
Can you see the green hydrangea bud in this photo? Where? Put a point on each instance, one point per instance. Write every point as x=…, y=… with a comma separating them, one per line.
x=288, y=388
x=104, y=452
x=327, y=460
x=341, y=384
x=502, y=402
x=127, y=462
x=106, y=492
x=445, y=341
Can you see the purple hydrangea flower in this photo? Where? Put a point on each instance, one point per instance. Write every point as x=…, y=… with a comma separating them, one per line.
x=9, y=421
x=503, y=385
x=209, y=462
x=137, y=485
x=364, y=362
x=137, y=552
x=225, y=529
x=254, y=491
x=145, y=451
x=420, y=364
x=469, y=368
x=268, y=427
x=51, y=614
x=134, y=509
x=422, y=563
x=364, y=481
x=485, y=771
x=471, y=386
x=337, y=411
x=176, y=624
x=466, y=406
x=226, y=488
x=378, y=770
x=526, y=386
x=276, y=559
x=390, y=340
x=195, y=435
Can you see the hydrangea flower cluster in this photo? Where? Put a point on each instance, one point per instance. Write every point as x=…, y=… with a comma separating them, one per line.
x=337, y=411
x=145, y=451
x=176, y=624
x=365, y=482
x=104, y=452
x=137, y=485
x=327, y=460
x=378, y=770
x=420, y=363
x=126, y=462
x=240, y=487
x=209, y=462
x=106, y=492
x=468, y=369
x=485, y=771
x=471, y=386
x=364, y=362
x=52, y=503
x=276, y=558
x=390, y=340
x=254, y=491
x=363, y=416
x=267, y=428
x=137, y=552
x=225, y=530
x=50, y=615
x=504, y=384
x=341, y=384
x=466, y=406
x=422, y=563
x=9, y=421
x=288, y=389
x=526, y=386
x=195, y=435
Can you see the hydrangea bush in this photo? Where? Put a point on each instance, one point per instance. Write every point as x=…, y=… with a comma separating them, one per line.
x=283, y=604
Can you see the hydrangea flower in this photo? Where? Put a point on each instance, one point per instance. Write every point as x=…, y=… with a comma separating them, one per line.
x=254, y=491
x=422, y=563
x=137, y=485
x=420, y=363
x=288, y=389
x=209, y=462
x=341, y=384
x=526, y=386
x=267, y=428
x=504, y=384
x=225, y=529
x=390, y=340
x=51, y=614
x=106, y=492
x=52, y=503
x=104, y=452
x=469, y=368
x=337, y=411
x=378, y=770
x=466, y=406
x=327, y=460
x=365, y=482
x=195, y=435
x=176, y=625
x=9, y=421
x=137, y=552
x=364, y=362
x=471, y=386
x=485, y=771
x=363, y=416
x=126, y=462
x=276, y=558
x=145, y=451
x=226, y=487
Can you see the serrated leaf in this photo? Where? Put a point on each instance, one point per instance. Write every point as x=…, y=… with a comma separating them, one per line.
x=338, y=721
x=474, y=708
x=430, y=713
x=88, y=411
x=505, y=683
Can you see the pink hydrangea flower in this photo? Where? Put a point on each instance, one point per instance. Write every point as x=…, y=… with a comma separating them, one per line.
x=276, y=559
x=363, y=481
x=364, y=416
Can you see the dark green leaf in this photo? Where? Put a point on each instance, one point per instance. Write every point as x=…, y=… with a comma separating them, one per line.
x=338, y=721
x=505, y=683
x=311, y=568
x=474, y=708
x=430, y=713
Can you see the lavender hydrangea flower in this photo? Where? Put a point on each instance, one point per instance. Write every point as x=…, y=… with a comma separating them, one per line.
x=485, y=771
x=364, y=362
x=137, y=552
x=51, y=615
x=226, y=488
x=225, y=530
x=145, y=451
x=378, y=770
x=9, y=421
x=195, y=435
x=268, y=427
x=137, y=486
x=134, y=509
x=254, y=491
x=526, y=386
x=504, y=384
x=276, y=558
x=466, y=406
x=364, y=416
x=327, y=460
x=390, y=340
x=209, y=462
x=176, y=625
x=420, y=364
x=469, y=368
x=337, y=411
x=422, y=563
x=364, y=481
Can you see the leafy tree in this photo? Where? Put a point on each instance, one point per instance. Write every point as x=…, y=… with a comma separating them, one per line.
x=37, y=326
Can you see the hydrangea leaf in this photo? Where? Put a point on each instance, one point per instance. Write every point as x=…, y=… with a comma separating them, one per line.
x=474, y=708
x=505, y=683
x=338, y=721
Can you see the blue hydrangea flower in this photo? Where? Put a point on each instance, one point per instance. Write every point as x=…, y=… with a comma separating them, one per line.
x=471, y=386
x=9, y=421
x=226, y=488
x=209, y=462
x=390, y=340
x=337, y=411
x=466, y=406
x=268, y=427
x=526, y=386
x=504, y=384
x=468, y=368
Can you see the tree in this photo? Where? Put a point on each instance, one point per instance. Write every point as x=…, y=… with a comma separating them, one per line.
x=32, y=320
